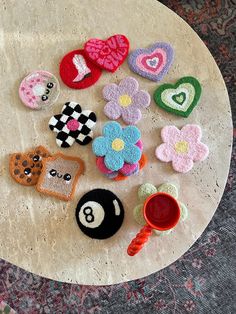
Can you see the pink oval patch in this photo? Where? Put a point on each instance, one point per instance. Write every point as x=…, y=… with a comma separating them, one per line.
x=73, y=125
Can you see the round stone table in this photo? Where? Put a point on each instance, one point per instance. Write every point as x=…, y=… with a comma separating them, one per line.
x=40, y=233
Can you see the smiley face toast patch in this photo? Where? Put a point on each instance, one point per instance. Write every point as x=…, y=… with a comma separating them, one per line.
x=39, y=90
x=25, y=168
x=60, y=174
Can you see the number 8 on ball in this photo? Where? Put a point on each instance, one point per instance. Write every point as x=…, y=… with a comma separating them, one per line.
x=99, y=214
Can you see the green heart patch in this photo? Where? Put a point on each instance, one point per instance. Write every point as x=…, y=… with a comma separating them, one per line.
x=180, y=98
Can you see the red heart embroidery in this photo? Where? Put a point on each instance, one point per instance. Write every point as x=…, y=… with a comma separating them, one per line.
x=107, y=54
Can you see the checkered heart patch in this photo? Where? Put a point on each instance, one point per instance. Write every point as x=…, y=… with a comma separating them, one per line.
x=73, y=125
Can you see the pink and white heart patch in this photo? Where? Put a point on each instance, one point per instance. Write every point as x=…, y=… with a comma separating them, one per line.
x=107, y=54
x=152, y=63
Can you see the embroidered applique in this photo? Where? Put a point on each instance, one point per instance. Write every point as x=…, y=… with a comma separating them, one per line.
x=117, y=145
x=182, y=147
x=59, y=177
x=99, y=214
x=39, y=90
x=77, y=71
x=107, y=54
x=73, y=125
x=152, y=63
x=119, y=151
x=25, y=168
x=125, y=100
x=180, y=98
x=83, y=70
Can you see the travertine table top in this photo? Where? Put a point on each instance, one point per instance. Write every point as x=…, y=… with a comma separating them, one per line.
x=39, y=233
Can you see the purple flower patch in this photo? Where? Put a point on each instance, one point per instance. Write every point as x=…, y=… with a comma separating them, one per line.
x=125, y=100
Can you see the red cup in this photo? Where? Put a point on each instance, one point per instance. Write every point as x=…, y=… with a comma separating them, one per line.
x=161, y=212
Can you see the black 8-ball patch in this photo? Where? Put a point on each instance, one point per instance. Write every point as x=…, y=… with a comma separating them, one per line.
x=99, y=214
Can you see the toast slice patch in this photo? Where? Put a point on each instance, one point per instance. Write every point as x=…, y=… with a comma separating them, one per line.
x=60, y=174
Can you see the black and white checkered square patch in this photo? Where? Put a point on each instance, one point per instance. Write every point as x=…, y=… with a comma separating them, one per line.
x=73, y=124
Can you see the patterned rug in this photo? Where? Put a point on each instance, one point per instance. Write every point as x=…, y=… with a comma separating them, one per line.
x=203, y=281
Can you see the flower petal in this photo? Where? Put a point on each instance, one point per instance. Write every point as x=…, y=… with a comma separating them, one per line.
x=135, y=171
x=162, y=233
x=110, y=92
x=131, y=134
x=128, y=168
x=199, y=152
x=169, y=189
x=131, y=115
x=100, y=146
x=82, y=139
x=71, y=107
x=101, y=165
x=165, y=152
x=112, y=130
x=112, y=175
x=145, y=190
x=191, y=132
x=62, y=143
x=131, y=153
x=55, y=123
x=139, y=144
x=138, y=215
x=129, y=86
x=114, y=160
x=183, y=211
x=141, y=99
x=170, y=134
x=112, y=110
x=182, y=163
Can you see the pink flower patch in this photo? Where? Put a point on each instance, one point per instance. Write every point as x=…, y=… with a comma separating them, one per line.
x=182, y=147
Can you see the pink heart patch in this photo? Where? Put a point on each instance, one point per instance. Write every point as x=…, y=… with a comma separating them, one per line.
x=107, y=54
x=152, y=63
